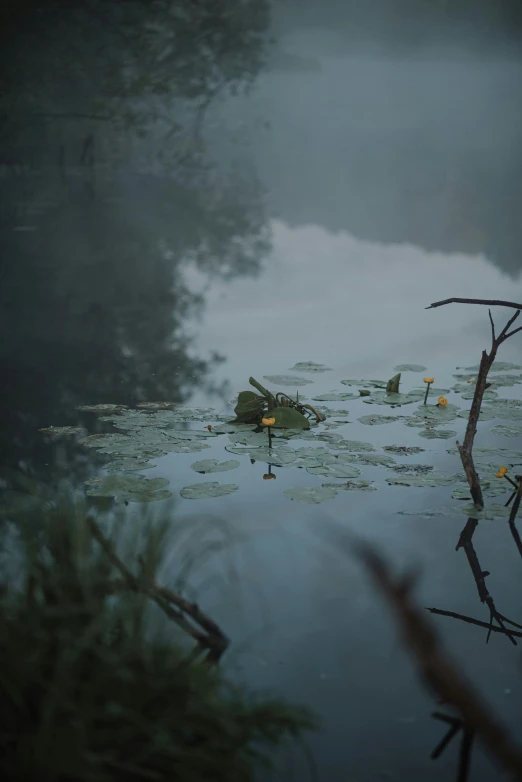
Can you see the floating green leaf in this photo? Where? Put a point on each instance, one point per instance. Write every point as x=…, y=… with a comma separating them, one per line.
x=409, y=368
x=229, y=428
x=249, y=407
x=377, y=420
x=404, y=450
x=310, y=494
x=373, y=459
x=352, y=486
x=213, y=465
x=338, y=470
x=498, y=366
x=62, y=430
x=391, y=398
x=506, y=409
x=309, y=366
x=156, y=405
x=208, y=489
x=425, y=513
x=333, y=397
x=485, y=414
x=288, y=418
x=491, y=511
x=129, y=465
x=429, y=480
x=437, y=434
x=488, y=490
x=373, y=383
x=103, y=408
x=393, y=384
x=129, y=488
x=287, y=380
x=507, y=431
x=276, y=456
x=417, y=469
x=357, y=446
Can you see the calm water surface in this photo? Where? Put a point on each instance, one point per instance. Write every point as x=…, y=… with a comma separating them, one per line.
x=374, y=188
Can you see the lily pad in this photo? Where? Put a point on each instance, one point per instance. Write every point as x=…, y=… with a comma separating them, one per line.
x=373, y=383
x=483, y=452
x=129, y=465
x=468, y=393
x=62, y=430
x=486, y=414
x=249, y=438
x=409, y=368
x=287, y=380
x=377, y=420
x=129, y=488
x=103, y=408
x=310, y=494
x=207, y=489
x=491, y=511
x=213, y=465
x=506, y=409
x=425, y=513
x=276, y=456
x=156, y=405
x=498, y=366
x=432, y=415
x=288, y=418
x=338, y=470
x=359, y=485
x=391, y=398
x=403, y=450
x=190, y=414
x=429, y=480
x=507, y=431
x=373, y=459
x=229, y=428
x=333, y=397
x=488, y=490
x=357, y=446
x=437, y=434
x=309, y=366
x=416, y=469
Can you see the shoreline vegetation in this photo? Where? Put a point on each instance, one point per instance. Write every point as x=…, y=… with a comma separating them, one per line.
x=87, y=692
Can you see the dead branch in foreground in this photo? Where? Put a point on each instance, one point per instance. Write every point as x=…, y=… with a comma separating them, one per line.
x=173, y=605
x=441, y=675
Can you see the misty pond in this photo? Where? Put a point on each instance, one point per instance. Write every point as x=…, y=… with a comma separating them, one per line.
x=296, y=235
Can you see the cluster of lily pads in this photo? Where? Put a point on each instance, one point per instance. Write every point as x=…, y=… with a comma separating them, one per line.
x=279, y=430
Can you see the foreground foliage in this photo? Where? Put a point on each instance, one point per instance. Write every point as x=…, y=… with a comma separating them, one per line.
x=89, y=690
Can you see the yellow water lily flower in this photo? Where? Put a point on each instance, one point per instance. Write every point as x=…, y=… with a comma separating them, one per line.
x=268, y=475
x=429, y=379
x=209, y=427
x=502, y=471
x=472, y=380
x=442, y=401
x=268, y=421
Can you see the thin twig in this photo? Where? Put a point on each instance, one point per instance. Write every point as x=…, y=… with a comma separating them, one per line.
x=471, y=621
x=491, y=302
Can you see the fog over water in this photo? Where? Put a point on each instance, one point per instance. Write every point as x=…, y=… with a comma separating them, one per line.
x=373, y=168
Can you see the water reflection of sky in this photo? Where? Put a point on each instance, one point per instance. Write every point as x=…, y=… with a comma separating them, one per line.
x=353, y=305
x=304, y=618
